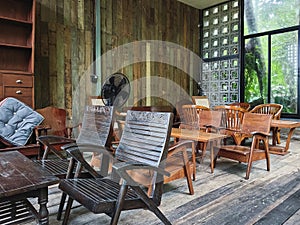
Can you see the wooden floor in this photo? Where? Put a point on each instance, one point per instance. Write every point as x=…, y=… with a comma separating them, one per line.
x=224, y=197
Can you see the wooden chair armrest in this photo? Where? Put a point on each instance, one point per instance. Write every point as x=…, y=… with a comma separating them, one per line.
x=179, y=147
x=76, y=155
x=41, y=128
x=260, y=133
x=69, y=129
x=121, y=169
x=49, y=141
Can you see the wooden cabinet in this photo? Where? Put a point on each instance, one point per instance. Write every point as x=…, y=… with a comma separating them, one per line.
x=17, y=29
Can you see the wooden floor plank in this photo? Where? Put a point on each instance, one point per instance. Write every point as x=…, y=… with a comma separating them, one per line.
x=224, y=197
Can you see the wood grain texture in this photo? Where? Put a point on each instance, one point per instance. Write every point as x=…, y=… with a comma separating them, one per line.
x=65, y=40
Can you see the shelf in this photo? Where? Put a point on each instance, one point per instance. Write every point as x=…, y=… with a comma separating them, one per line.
x=14, y=46
x=16, y=72
x=17, y=19
x=12, y=58
x=14, y=20
x=19, y=10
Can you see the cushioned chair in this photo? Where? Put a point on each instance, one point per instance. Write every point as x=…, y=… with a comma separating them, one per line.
x=17, y=123
x=144, y=145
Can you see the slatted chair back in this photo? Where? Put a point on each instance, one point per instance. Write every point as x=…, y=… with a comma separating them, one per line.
x=271, y=108
x=96, y=125
x=145, y=138
x=232, y=116
x=232, y=120
x=191, y=116
x=243, y=105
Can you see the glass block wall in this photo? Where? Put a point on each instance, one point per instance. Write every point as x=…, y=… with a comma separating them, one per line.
x=220, y=47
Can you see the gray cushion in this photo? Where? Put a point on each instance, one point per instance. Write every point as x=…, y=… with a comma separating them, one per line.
x=17, y=121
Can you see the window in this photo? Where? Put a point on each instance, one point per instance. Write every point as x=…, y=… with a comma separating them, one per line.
x=271, y=53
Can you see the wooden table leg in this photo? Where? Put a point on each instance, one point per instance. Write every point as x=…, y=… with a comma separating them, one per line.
x=43, y=212
x=279, y=150
x=212, y=157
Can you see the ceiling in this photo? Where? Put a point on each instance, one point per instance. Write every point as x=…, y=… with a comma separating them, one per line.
x=202, y=4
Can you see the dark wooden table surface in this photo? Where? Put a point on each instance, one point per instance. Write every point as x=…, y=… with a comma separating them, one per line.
x=20, y=179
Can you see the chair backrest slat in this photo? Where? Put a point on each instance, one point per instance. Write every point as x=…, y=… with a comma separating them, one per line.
x=96, y=125
x=232, y=116
x=145, y=137
x=269, y=108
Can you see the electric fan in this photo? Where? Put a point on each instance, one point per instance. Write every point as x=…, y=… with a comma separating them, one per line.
x=115, y=90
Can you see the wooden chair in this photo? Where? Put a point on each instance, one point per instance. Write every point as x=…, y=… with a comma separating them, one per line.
x=273, y=109
x=243, y=105
x=232, y=120
x=19, y=127
x=56, y=119
x=201, y=100
x=97, y=119
x=258, y=126
x=96, y=128
x=144, y=145
x=191, y=116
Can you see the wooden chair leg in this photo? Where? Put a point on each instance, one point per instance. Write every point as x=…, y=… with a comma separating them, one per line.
x=151, y=205
x=267, y=154
x=119, y=205
x=188, y=178
x=61, y=206
x=249, y=165
x=67, y=212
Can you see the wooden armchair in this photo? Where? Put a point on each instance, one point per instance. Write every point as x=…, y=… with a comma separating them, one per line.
x=55, y=119
x=19, y=126
x=144, y=145
x=191, y=116
x=274, y=110
x=96, y=120
x=232, y=120
x=257, y=126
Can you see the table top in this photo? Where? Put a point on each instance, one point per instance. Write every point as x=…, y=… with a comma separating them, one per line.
x=196, y=135
x=285, y=123
x=18, y=174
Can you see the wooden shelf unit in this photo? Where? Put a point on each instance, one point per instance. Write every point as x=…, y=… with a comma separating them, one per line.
x=17, y=30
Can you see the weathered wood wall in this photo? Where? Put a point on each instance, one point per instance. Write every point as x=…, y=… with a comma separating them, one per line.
x=170, y=21
x=65, y=48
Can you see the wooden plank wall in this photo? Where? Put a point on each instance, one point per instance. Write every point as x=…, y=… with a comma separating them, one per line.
x=65, y=40
x=129, y=21
x=64, y=50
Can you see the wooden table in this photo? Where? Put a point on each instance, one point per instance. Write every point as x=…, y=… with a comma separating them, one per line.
x=20, y=179
x=200, y=136
x=278, y=124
